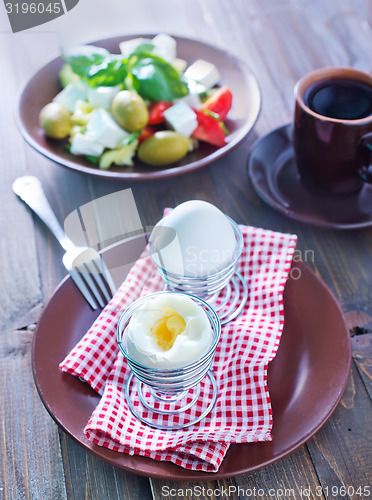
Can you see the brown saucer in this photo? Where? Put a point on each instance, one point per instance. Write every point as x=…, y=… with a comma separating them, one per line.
x=44, y=85
x=273, y=172
x=306, y=379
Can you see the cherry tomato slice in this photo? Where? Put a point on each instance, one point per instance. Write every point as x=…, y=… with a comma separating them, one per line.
x=209, y=129
x=220, y=102
x=156, y=112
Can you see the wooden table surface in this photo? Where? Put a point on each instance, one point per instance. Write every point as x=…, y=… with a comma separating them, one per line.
x=281, y=41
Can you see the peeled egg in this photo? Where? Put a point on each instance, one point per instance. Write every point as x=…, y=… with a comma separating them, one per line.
x=168, y=331
x=195, y=239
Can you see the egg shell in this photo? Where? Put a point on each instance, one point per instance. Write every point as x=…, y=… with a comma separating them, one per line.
x=195, y=239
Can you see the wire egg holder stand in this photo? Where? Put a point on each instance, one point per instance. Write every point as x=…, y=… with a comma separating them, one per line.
x=153, y=395
x=226, y=291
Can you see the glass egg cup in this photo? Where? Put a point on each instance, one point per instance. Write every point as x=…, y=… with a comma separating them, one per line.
x=154, y=394
x=225, y=289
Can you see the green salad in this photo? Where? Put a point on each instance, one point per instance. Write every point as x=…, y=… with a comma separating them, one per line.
x=144, y=103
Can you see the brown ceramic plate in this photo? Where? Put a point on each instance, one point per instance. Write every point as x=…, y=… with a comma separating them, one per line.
x=306, y=379
x=273, y=172
x=44, y=85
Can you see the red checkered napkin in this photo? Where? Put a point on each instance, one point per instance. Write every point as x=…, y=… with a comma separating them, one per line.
x=242, y=412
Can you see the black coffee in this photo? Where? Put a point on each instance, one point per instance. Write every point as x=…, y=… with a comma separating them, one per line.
x=342, y=99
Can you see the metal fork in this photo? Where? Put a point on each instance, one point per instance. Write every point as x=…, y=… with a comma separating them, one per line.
x=84, y=264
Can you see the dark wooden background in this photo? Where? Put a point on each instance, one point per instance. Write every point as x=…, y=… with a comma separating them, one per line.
x=281, y=41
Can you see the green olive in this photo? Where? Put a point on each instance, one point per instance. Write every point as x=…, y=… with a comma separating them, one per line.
x=55, y=120
x=163, y=148
x=129, y=110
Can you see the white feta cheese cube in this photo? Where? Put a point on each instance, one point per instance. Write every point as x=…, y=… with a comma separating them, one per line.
x=193, y=100
x=203, y=72
x=102, y=96
x=165, y=46
x=128, y=46
x=195, y=87
x=103, y=128
x=84, y=145
x=193, y=97
x=181, y=118
x=69, y=96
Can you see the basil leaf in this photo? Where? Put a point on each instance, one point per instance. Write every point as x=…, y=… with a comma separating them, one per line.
x=83, y=57
x=142, y=49
x=96, y=66
x=110, y=72
x=157, y=80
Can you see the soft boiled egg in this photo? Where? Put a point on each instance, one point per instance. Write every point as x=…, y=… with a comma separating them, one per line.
x=168, y=331
x=195, y=239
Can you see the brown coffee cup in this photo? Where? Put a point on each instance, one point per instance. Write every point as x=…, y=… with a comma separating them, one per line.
x=332, y=131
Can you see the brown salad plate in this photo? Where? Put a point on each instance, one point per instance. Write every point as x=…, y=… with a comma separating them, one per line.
x=43, y=86
x=306, y=379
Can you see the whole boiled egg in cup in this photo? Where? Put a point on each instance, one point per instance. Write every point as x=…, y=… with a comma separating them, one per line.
x=169, y=341
x=196, y=248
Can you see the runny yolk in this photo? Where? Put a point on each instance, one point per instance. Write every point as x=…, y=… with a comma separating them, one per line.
x=167, y=328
